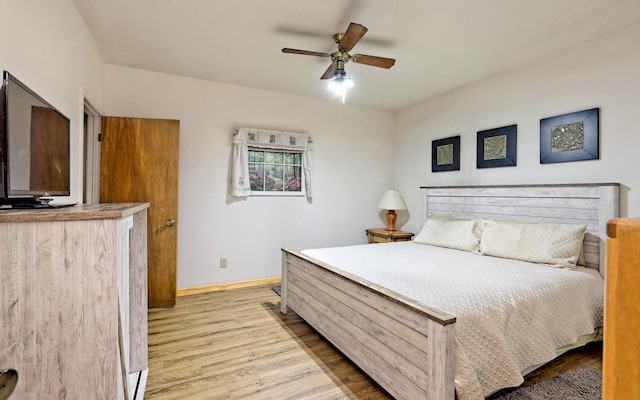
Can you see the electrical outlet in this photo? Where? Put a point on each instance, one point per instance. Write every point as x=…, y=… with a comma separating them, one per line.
x=223, y=262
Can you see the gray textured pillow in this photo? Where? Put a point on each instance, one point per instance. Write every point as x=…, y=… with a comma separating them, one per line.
x=454, y=234
x=557, y=245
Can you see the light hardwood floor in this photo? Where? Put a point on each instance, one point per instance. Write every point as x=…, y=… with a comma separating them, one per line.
x=237, y=345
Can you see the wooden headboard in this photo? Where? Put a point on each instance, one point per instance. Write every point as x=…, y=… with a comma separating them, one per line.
x=591, y=204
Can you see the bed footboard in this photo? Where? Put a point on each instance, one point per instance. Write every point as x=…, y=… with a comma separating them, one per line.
x=403, y=345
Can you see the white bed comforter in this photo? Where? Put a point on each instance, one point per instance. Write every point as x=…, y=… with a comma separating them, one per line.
x=511, y=315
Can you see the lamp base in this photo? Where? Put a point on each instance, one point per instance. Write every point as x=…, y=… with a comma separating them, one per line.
x=391, y=220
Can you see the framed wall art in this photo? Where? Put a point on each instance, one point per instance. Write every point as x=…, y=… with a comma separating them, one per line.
x=497, y=147
x=570, y=137
x=445, y=154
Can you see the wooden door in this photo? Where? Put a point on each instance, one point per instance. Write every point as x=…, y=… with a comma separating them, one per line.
x=139, y=163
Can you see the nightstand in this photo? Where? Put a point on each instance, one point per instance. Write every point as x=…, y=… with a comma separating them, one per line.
x=385, y=236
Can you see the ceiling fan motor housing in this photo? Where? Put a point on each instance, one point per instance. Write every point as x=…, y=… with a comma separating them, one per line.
x=340, y=57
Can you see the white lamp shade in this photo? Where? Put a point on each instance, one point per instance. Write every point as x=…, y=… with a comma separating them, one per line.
x=392, y=200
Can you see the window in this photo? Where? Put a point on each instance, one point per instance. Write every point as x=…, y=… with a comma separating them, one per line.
x=275, y=172
x=271, y=163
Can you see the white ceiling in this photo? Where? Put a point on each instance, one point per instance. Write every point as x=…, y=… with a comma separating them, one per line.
x=438, y=44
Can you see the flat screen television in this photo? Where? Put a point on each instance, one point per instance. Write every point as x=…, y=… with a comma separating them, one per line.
x=34, y=148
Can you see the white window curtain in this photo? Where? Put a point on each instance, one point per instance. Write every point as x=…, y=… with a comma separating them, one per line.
x=244, y=138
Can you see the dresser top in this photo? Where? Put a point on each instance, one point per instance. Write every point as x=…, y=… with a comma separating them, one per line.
x=74, y=213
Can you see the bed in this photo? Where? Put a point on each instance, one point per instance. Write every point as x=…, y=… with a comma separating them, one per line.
x=410, y=346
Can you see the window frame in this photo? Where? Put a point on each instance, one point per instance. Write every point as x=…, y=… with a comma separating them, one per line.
x=298, y=193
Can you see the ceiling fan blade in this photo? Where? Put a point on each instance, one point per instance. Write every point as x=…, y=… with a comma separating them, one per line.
x=330, y=72
x=381, y=62
x=305, y=52
x=352, y=36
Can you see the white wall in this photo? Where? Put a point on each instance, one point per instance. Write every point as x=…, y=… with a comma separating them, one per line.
x=352, y=167
x=604, y=73
x=47, y=46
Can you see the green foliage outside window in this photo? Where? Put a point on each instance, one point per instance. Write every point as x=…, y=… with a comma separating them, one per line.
x=275, y=171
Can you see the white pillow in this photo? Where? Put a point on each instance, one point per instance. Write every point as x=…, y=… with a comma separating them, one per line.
x=453, y=234
x=557, y=245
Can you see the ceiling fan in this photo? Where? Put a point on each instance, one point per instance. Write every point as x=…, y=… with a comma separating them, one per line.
x=345, y=41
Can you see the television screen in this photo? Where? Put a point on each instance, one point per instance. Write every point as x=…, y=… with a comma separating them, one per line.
x=36, y=153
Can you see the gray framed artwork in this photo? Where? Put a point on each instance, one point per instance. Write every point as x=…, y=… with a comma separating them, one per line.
x=497, y=147
x=570, y=137
x=445, y=154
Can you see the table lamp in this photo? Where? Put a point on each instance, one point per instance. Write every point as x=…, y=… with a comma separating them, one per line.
x=391, y=200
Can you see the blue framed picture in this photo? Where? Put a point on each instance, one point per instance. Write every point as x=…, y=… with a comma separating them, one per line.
x=570, y=137
x=445, y=154
x=497, y=147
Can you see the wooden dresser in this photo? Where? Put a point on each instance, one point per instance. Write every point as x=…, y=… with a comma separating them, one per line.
x=66, y=276
x=621, y=352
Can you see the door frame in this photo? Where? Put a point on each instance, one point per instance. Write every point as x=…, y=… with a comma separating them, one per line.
x=92, y=129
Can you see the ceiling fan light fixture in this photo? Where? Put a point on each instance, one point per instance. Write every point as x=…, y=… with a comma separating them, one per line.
x=340, y=83
x=339, y=86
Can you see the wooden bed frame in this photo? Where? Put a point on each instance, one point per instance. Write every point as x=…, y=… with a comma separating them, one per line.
x=406, y=346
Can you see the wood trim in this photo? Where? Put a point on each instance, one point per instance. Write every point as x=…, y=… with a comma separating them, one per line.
x=219, y=287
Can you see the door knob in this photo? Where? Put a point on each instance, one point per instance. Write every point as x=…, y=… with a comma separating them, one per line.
x=171, y=222
x=8, y=381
